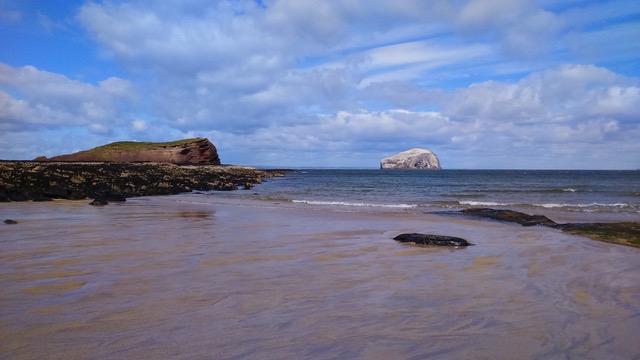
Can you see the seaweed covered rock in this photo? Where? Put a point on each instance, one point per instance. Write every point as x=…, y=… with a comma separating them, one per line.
x=624, y=233
x=29, y=180
x=510, y=216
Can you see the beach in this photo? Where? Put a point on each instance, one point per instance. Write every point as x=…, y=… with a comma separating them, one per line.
x=204, y=276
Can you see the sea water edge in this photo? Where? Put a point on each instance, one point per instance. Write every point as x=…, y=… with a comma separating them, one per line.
x=563, y=195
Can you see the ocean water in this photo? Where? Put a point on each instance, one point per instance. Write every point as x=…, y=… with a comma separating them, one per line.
x=601, y=194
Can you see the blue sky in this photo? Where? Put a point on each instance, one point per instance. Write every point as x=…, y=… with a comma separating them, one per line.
x=483, y=83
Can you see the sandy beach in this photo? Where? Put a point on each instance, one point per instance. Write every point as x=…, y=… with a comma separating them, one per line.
x=195, y=276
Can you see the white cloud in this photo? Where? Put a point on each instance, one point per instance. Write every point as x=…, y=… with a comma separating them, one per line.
x=139, y=125
x=571, y=107
x=521, y=26
x=577, y=114
x=32, y=98
x=237, y=65
x=412, y=60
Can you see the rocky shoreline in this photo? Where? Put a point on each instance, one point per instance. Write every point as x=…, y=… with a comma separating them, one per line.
x=44, y=181
x=624, y=233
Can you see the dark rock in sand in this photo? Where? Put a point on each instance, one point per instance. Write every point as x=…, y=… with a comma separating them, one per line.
x=10, y=222
x=99, y=202
x=4, y=197
x=429, y=239
x=106, y=198
x=510, y=216
x=114, y=197
x=41, y=198
x=20, y=195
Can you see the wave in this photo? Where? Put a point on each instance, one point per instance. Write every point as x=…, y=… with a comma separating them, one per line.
x=528, y=190
x=483, y=203
x=552, y=205
x=356, y=204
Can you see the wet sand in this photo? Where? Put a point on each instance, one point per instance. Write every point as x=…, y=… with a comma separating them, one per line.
x=191, y=276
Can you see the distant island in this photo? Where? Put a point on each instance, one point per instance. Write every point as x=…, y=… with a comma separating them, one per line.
x=125, y=169
x=419, y=159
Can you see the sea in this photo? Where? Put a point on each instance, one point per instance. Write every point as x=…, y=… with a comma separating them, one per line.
x=585, y=194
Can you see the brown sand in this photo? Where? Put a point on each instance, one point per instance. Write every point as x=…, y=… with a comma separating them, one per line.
x=165, y=277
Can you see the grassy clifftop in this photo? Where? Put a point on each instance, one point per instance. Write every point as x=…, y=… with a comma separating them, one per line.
x=142, y=145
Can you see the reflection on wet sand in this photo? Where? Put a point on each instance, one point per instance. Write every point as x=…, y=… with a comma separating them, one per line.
x=168, y=278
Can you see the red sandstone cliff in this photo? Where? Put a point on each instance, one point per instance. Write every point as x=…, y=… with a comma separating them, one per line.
x=184, y=152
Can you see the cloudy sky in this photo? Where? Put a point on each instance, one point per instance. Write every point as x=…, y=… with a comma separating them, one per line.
x=526, y=84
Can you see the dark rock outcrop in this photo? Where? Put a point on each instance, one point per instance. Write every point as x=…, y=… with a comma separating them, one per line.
x=99, y=202
x=106, y=198
x=429, y=239
x=625, y=233
x=509, y=216
x=29, y=180
x=184, y=152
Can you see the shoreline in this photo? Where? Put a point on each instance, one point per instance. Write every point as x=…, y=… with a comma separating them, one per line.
x=618, y=230
x=611, y=230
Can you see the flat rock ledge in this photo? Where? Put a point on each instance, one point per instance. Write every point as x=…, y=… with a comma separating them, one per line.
x=430, y=239
x=509, y=216
x=40, y=181
x=624, y=233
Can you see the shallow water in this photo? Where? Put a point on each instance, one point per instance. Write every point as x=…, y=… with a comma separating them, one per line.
x=196, y=276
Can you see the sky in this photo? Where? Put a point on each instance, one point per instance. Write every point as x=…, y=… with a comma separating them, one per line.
x=485, y=84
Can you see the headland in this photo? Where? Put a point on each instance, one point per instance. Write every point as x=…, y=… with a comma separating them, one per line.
x=47, y=180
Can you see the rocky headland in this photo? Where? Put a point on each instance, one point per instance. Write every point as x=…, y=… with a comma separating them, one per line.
x=42, y=181
x=419, y=159
x=119, y=170
x=198, y=151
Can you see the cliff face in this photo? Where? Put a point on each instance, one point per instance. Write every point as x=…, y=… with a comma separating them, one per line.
x=421, y=159
x=185, y=152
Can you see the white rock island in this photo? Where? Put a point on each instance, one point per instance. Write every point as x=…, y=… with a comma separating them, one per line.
x=421, y=159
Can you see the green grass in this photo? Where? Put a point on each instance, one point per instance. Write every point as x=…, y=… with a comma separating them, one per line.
x=141, y=145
